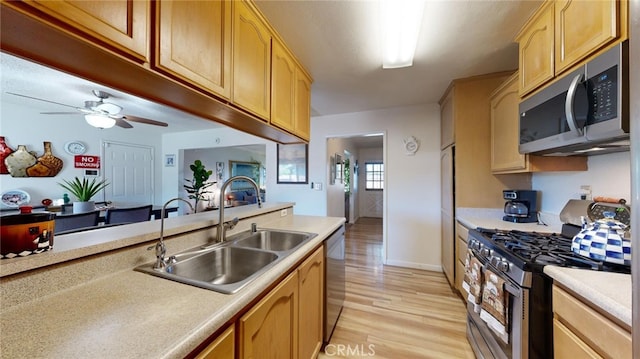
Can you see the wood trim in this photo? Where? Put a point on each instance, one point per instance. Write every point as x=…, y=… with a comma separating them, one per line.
x=29, y=38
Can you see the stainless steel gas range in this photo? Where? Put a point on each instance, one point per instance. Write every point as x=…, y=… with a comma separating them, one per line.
x=516, y=260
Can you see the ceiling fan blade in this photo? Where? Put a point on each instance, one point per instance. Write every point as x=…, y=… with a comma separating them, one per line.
x=39, y=99
x=120, y=122
x=146, y=121
x=59, y=113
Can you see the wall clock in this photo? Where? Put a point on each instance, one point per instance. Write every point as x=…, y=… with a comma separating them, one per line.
x=75, y=147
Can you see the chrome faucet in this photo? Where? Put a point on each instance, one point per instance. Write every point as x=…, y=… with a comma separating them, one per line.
x=221, y=230
x=161, y=250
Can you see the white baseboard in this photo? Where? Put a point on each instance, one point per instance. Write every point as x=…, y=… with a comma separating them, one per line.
x=429, y=267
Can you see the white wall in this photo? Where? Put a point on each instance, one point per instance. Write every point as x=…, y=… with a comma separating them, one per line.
x=26, y=126
x=412, y=196
x=609, y=175
x=369, y=199
x=175, y=143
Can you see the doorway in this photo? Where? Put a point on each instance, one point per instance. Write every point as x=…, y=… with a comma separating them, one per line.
x=129, y=170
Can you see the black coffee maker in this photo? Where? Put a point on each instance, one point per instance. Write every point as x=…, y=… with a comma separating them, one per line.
x=521, y=206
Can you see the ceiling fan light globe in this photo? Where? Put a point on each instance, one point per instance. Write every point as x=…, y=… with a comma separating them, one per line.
x=109, y=108
x=99, y=121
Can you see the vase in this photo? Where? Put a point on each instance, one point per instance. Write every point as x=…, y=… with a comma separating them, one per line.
x=18, y=162
x=83, y=207
x=5, y=151
x=48, y=165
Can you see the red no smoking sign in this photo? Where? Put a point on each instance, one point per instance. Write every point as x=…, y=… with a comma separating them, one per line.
x=81, y=161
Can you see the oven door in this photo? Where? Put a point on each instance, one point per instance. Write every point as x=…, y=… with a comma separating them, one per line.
x=488, y=344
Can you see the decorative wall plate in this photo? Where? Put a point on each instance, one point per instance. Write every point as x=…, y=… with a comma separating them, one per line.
x=15, y=198
x=75, y=147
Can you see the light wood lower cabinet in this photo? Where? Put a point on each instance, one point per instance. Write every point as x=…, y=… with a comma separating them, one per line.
x=580, y=331
x=221, y=348
x=270, y=328
x=310, y=307
x=462, y=233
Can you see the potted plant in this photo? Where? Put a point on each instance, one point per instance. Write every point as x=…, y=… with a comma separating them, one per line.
x=84, y=189
x=196, y=187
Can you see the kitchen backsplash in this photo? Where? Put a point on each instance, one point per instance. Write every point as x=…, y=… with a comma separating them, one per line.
x=608, y=175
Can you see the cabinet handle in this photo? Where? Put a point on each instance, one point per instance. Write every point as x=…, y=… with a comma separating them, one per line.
x=568, y=105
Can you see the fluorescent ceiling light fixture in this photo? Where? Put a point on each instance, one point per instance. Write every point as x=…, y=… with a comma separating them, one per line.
x=401, y=21
x=99, y=121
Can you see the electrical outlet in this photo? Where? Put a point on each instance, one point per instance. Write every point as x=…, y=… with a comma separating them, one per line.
x=316, y=186
x=585, y=192
x=283, y=212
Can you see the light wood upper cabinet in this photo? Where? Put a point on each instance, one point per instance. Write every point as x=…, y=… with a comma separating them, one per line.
x=221, y=348
x=270, y=328
x=251, y=60
x=283, y=87
x=311, y=305
x=505, y=135
x=302, y=119
x=582, y=27
x=194, y=43
x=536, y=51
x=122, y=24
x=447, y=136
x=563, y=33
x=504, y=128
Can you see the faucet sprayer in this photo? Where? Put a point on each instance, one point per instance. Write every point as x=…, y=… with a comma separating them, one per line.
x=161, y=250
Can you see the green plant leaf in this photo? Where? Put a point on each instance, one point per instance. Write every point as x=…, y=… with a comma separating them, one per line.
x=84, y=189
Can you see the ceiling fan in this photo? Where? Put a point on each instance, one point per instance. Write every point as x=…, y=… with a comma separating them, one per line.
x=99, y=113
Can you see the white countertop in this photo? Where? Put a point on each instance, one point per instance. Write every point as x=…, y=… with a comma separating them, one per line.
x=129, y=314
x=491, y=218
x=610, y=292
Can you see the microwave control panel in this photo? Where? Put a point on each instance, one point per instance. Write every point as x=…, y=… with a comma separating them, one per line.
x=604, y=97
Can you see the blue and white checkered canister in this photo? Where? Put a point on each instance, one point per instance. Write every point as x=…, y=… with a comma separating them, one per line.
x=604, y=241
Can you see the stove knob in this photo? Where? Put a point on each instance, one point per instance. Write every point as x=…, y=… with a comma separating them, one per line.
x=495, y=260
x=503, y=266
x=485, y=252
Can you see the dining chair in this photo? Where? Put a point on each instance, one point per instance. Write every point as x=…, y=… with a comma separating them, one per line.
x=128, y=215
x=74, y=221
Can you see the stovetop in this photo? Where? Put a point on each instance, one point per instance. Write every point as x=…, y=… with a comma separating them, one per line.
x=531, y=251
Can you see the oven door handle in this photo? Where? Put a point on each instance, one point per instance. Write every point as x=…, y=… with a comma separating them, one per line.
x=513, y=290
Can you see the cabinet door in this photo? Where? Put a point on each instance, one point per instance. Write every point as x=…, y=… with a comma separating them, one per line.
x=283, y=84
x=251, y=61
x=202, y=25
x=582, y=27
x=303, y=105
x=447, y=125
x=270, y=329
x=505, y=136
x=536, y=50
x=122, y=24
x=221, y=348
x=310, y=308
x=567, y=345
x=447, y=233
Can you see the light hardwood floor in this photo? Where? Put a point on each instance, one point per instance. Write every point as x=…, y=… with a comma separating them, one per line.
x=392, y=312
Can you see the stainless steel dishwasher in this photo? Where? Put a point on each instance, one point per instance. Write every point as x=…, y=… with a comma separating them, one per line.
x=334, y=280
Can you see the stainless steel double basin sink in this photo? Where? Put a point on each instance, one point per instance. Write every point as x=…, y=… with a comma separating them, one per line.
x=229, y=266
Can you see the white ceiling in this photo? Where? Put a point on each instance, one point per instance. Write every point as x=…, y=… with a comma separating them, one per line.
x=337, y=41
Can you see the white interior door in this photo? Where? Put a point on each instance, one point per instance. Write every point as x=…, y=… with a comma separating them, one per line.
x=128, y=168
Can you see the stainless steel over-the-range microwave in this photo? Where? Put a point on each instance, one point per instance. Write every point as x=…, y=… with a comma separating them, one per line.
x=583, y=112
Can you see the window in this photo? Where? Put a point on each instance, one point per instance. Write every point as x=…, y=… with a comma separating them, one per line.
x=374, y=176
